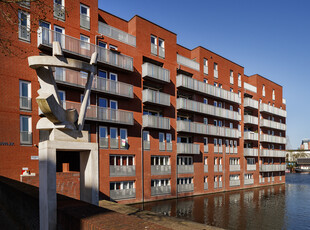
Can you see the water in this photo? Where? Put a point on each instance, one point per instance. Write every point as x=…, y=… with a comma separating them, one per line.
x=277, y=207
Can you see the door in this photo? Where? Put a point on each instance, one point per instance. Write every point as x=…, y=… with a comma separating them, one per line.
x=102, y=110
x=113, y=107
x=113, y=82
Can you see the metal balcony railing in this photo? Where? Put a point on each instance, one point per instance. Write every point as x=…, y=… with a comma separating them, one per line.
x=122, y=170
x=272, y=110
x=272, y=139
x=104, y=142
x=185, y=188
x=272, y=168
x=160, y=169
x=84, y=49
x=248, y=102
x=248, y=119
x=150, y=121
x=188, y=148
x=162, y=146
x=146, y=145
x=104, y=114
x=251, y=167
x=272, y=153
x=206, y=89
x=160, y=190
x=114, y=143
x=188, y=62
x=205, y=168
x=234, y=183
x=84, y=21
x=155, y=72
x=251, y=136
x=183, y=169
x=25, y=103
x=169, y=146
x=24, y=33
x=25, y=138
x=250, y=152
x=122, y=194
x=248, y=181
x=198, y=107
x=116, y=34
x=272, y=124
x=59, y=11
x=155, y=97
x=234, y=168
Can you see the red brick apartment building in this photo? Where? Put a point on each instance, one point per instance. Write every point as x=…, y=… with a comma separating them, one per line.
x=169, y=121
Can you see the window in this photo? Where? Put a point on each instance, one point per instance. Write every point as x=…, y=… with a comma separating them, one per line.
x=103, y=137
x=231, y=90
x=168, y=138
x=122, y=185
x=25, y=3
x=215, y=103
x=102, y=44
x=231, y=125
x=205, y=141
x=215, y=122
x=215, y=160
x=160, y=160
x=205, y=120
x=231, y=108
x=113, y=138
x=215, y=70
x=205, y=101
x=25, y=95
x=160, y=182
x=25, y=130
x=62, y=97
x=185, y=160
x=231, y=77
x=251, y=161
x=59, y=9
x=161, y=48
x=113, y=47
x=215, y=142
x=185, y=180
x=239, y=80
x=220, y=105
x=273, y=95
x=239, y=93
x=45, y=31
x=234, y=161
x=84, y=17
x=146, y=140
x=24, y=25
x=161, y=141
x=59, y=35
x=153, y=45
x=84, y=42
x=263, y=91
x=205, y=66
x=205, y=80
x=124, y=138
x=206, y=161
x=119, y=160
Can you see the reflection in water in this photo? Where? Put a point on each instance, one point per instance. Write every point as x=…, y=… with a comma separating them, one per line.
x=277, y=207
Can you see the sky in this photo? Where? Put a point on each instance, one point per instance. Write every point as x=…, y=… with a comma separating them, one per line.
x=267, y=37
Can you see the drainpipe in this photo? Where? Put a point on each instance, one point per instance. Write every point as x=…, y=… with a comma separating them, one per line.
x=142, y=167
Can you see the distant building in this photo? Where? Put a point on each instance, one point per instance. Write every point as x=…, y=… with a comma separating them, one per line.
x=305, y=144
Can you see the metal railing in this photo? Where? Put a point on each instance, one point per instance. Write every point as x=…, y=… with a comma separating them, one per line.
x=160, y=190
x=25, y=103
x=122, y=170
x=104, y=142
x=183, y=169
x=248, y=102
x=116, y=34
x=273, y=110
x=114, y=143
x=248, y=181
x=155, y=72
x=271, y=168
x=162, y=146
x=169, y=146
x=234, y=183
x=150, y=121
x=84, y=49
x=272, y=124
x=188, y=148
x=188, y=62
x=59, y=11
x=205, y=168
x=250, y=152
x=155, y=97
x=272, y=139
x=234, y=168
x=251, y=167
x=24, y=33
x=146, y=145
x=206, y=89
x=104, y=114
x=251, y=136
x=272, y=153
x=84, y=21
x=198, y=107
x=122, y=194
x=248, y=119
x=185, y=188
x=160, y=169
x=25, y=138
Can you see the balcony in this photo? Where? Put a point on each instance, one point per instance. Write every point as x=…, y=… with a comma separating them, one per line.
x=185, y=188
x=160, y=169
x=59, y=12
x=206, y=89
x=251, y=167
x=188, y=148
x=155, y=97
x=233, y=183
x=272, y=153
x=272, y=110
x=198, y=107
x=250, y=136
x=272, y=124
x=102, y=114
x=25, y=138
x=122, y=170
x=205, y=186
x=205, y=168
x=188, y=62
x=154, y=72
x=150, y=121
x=76, y=79
x=161, y=190
x=248, y=181
x=272, y=139
x=184, y=169
x=249, y=152
x=84, y=21
x=116, y=34
x=24, y=33
x=122, y=194
x=248, y=119
x=25, y=103
x=234, y=168
x=248, y=102
x=84, y=49
x=272, y=168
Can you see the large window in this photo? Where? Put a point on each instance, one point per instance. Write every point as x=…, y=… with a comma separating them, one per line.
x=124, y=138
x=160, y=160
x=113, y=138
x=24, y=25
x=84, y=17
x=123, y=160
x=25, y=95
x=25, y=130
x=84, y=42
x=103, y=137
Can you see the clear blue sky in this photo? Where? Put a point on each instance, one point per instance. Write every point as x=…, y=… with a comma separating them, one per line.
x=268, y=37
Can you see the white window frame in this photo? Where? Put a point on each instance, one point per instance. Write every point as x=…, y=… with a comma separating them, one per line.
x=123, y=144
x=87, y=9
x=85, y=42
x=20, y=26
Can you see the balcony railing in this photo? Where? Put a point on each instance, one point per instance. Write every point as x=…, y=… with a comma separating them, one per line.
x=104, y=114
x=202, y=108
x=155, y=72
x=248, y=102
x=251, y=167
x=114, y=143
x=160, y=169
x=24, y=33
x=251, y=136
x=25, y=103
x=169, y=146
x=75, y=78
x=205, y=186
x=234, y=168
x=272, y=124
x=123, y=194
x=25, y=138
x=272, y=110
x=182, y=169
x=206, y=89
x=155, y=97
x=150, y=121
x=272, y=153
x=160, y=190
x=84, y=21
x=188, y=148
x=122, y=170
x=234, y=183
x=200, y=128
x=248, y=181
x=116, y=34
x=59, y=11
x=146, y=145
x=249, y=152
x=272, y=139
x=205, y=69
x=205, y=168
x=272, y=168
x=248, y=119
x=84, y=49
x=185, y=188
x=188, y=62
x=103, y=142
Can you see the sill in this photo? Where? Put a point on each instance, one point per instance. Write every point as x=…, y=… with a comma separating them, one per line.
x=60, y=19
x=25, y=110
x=26, y=145
x=24, y=40
x=87, y=29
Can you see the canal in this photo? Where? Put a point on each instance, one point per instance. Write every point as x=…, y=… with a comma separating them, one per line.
x=276, y=207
